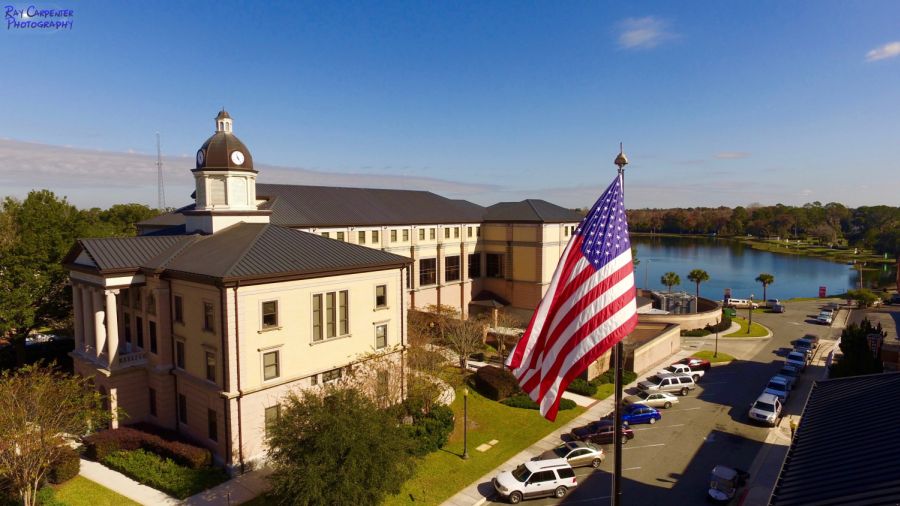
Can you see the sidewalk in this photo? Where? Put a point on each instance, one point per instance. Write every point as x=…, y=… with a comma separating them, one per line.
x=480, y=490
x=235, y=491
x=123, y=485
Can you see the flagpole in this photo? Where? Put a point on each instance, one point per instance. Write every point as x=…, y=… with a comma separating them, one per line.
x=619, y=364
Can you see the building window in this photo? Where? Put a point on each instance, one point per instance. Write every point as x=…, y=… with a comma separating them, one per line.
x=405, y=235
x=270, y=314
x=494, y=265
x=447, y=233
x=474, y=265
x=272, y=414
x=152, y=396
x=326, y=235
x=340, y=236
x=179, y=354
x=126, y=324
x=151, y=303
x=383, y=382
x=208, y=317
x=432, y=233
x=361, y=237
x=380, y=336
x=270, y=365
x=421, y=234
x=182, y=408
x=394, y=235
x=212, y=424
x=381, y=296
x=468, y=231
x=451, y=268
x=456, y=232
x=140, y=332
x=137, y=299
x=211, y=366
x=152, y=337
x=331, y=315
x=477, y=231
x=179, y=309
x=375, y=237
x=314, y=380
x=332, y=375
x=427, y=271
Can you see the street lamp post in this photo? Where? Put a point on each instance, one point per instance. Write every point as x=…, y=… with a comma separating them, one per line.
x=716, y=352
x=750, y=314
x=465, y=454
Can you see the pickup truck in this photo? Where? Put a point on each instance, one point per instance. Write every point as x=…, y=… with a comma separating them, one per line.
x=683, y=369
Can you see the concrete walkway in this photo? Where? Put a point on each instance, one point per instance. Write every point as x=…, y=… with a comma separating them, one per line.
x=481, y=489
x=121, y=484
x=235, y=491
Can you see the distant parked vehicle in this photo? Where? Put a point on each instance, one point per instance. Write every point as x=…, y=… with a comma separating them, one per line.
x=779, y=387
x=654, y=399
x=639, y=413
x=778, y=308
x=796, y=359
x=600, y=432
x=772, y=302
x=807, y=341
x=805, y=345
x=683, y=369
x=576, y=453
x=766, y=409
x=695, y=363
x=825, y=318
x=724, y=483
x=790, y=373
x=536, y=479
x=730, y=312
x=668, y=383
x=741, y=303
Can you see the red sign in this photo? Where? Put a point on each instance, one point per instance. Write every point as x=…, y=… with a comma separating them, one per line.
x=822, y=291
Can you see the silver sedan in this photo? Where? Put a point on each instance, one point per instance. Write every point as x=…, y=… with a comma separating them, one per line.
x=652, y=399
x=578, y=453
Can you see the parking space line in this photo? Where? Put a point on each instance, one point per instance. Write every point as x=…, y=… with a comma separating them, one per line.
x=593, y=499
x=631, y=468
x=645, y=446
x=687, y=409
x=666, y=427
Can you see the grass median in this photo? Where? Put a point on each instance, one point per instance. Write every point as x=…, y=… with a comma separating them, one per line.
x=708, y=355
x=441, y=474
x=756, y=330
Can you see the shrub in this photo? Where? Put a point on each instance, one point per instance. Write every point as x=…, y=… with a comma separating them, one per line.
x=495, y=383
x=723, y=325
x=66, y=466
x=695, y=333
x=610, y=377
x=104, y=443
x=430, y=431
x=582, y=387
x=164, y=474
x=524, y=402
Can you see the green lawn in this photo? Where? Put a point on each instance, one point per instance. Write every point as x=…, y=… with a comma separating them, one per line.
x=604, y=390
x=80, y=491
x=441, y=474
x=756, y=330
x=708, y=355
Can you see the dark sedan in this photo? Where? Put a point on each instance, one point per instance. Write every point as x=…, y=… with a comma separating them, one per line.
x=600, y=432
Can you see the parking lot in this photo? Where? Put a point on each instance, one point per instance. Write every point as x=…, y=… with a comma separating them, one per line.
x=669, y=462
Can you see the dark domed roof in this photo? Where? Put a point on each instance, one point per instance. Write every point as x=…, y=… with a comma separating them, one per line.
x=220, y=151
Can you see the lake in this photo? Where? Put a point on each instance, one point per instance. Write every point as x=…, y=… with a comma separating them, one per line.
x=730, y=264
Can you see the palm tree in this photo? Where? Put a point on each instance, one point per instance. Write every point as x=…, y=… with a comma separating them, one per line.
x=670, y=279
x=698, y=276
x=766, y=280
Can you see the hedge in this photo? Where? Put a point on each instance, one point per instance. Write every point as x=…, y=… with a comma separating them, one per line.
x=164, y=474
x=695, y=333
x=66, y=466
x=610, y=376
x=495, y=383
x=103, y=443
x=582, y=387
x=524, y=402
x=723, y=325
x=430, y=431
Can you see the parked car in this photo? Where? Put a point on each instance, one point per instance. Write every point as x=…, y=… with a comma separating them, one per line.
x=806, y=346
x=652, y=399
x=778, y=308
x=796, y=359
x=779, y=387
x=600, y=432
x=807, y=341
x=825, y=318
x=683, y=369
x=668, y=383
x=766, y=409
x=741, y=303
x=729, y=312
x=576, y=453
x=695, y=363
x=790, y=373
x=639, y=413
x=772, y=302
x=536, y=479
x=725, y=483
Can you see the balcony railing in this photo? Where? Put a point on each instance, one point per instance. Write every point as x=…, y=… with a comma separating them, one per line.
x=134, y=358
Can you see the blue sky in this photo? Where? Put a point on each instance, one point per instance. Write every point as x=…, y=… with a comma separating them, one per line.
x=717, y=103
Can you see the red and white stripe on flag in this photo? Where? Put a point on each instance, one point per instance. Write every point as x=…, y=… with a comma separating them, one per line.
x=588, y=308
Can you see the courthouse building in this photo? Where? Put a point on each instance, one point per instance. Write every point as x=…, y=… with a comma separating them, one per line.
x=202, y=323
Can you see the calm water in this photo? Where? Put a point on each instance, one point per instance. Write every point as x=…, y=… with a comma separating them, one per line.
x=732, y=265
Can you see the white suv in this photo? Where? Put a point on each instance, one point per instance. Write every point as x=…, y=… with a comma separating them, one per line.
x=766, y=409
x=661, y=382
x=537, y=478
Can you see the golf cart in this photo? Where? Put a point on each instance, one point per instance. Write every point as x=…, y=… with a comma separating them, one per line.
x=724, y=483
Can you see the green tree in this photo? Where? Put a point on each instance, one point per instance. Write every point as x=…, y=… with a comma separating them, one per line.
x=888, y=241
x=766, y=280
x=40, y=411
x=670, y=279
x=864, y=296
x=335, y=446
x=858, y=357
x=698, y=276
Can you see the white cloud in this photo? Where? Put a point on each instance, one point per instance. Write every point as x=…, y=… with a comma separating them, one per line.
x=643, y=33
x=731, y=155
x=889, y=50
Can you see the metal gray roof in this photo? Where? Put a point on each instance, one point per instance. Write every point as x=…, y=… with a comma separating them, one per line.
x=531, y=210
x=115, y=253
x=325, y=206
x=837, y=460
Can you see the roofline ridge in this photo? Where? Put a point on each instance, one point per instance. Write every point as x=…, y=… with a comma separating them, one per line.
x=180, y=246
x=536, y=212
x=248, y=246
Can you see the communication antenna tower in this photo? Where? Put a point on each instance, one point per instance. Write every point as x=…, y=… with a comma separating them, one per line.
x=161, y=188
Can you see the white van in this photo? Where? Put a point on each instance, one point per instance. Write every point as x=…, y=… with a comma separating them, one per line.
x=740, y=303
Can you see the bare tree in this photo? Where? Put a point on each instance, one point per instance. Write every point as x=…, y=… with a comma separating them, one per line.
x=465, y=337
x=40, y=410
x=508, y=332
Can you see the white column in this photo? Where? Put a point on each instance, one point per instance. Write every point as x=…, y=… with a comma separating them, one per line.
x=87, y=320
x=78, y=317
x=112, y=328
x=99, y=328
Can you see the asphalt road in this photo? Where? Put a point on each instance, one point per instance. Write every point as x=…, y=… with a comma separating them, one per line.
x=669, y=462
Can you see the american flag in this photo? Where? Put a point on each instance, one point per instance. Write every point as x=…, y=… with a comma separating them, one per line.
x=588, y=308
